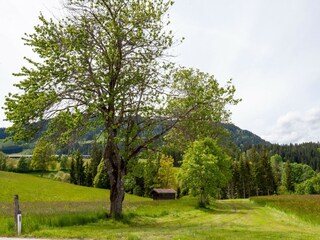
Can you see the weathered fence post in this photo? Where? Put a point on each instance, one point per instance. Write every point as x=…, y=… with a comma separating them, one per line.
x=17, y=215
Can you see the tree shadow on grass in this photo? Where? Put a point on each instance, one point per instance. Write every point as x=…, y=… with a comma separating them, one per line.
x=228, y=207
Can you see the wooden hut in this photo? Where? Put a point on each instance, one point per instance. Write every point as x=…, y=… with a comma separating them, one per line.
x=163, y=194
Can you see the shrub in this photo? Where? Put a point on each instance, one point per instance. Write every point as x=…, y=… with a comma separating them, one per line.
x=23, y=165
x=62, y=176
x=3, y=161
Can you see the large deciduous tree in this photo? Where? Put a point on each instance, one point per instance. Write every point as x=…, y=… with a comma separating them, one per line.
x=104, y=65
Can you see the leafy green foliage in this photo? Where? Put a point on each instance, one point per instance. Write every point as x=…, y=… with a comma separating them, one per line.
x=96, y=157
x=205, y=169
x=301, y=172
x=309, y=186
x=142, y=175
x=166, y=172
x=3, y=161
x=206, y=101
x=64, y=164
x=62, y=176
x=101, y=180
x=42, y=155
x=23, y=165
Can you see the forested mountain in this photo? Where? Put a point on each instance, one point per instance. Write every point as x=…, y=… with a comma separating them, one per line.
x=244, y=138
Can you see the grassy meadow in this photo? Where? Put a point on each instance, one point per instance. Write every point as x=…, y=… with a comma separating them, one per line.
x=54, y=209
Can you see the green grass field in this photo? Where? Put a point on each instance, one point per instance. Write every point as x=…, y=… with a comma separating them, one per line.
x=58, y=210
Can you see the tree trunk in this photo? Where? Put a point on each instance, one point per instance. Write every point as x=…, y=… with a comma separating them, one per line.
x=116, y=193
x=116, y=172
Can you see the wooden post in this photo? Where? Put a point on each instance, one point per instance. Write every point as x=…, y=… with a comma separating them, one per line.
x=16, y=210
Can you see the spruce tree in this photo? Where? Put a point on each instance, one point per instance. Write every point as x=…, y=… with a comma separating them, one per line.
x=287, y=177
x=88, y=175
x=79, y=168
x=72, y=172
x=96, y=156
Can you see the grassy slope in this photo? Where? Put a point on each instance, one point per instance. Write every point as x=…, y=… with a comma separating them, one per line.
x=64, y=211
x=35, y=189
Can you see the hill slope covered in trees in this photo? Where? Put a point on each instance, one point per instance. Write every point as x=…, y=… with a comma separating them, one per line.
x=239, y=137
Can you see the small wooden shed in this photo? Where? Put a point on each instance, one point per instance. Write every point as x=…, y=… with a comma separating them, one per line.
x=163, y=194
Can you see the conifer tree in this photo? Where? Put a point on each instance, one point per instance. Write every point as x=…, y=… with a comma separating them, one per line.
x=73, y=172
x=234, y=185
x=88, y=175
x=79, y=168
x=96, y=157
x=287, y=177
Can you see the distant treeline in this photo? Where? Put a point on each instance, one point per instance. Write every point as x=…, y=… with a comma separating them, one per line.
x=306, y=153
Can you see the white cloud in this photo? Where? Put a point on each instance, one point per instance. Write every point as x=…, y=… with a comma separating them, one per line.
x=296, y=127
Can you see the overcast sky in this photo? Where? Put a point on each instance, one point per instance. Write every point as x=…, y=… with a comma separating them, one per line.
x=271, y=50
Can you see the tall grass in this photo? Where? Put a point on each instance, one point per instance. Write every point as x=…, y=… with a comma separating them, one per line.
x=306, y=207
x=31, y=223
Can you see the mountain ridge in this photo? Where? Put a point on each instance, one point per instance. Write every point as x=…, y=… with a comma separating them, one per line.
x=241, y=138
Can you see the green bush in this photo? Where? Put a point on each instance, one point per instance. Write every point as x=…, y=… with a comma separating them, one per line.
x=23, y=165
x=3, y=161
x=62, y=176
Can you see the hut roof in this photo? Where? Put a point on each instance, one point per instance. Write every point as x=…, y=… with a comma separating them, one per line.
x=162, y=190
